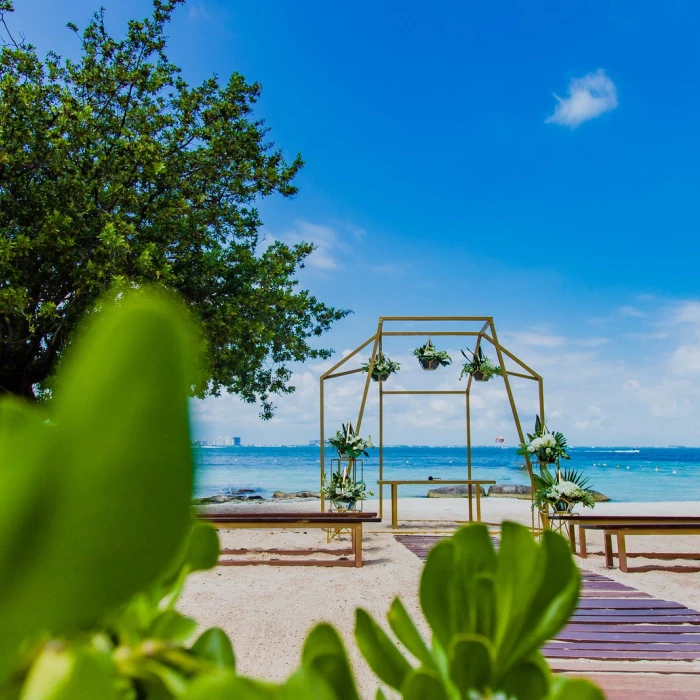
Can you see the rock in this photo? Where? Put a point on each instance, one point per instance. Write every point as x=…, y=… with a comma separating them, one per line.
x=297, y=494
x=461, y=491
x=599, y=497
x=219, y=498
x=510, y=491
x=239, y=492
x=252, y=498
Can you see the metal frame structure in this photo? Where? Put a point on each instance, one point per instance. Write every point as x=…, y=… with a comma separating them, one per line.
x=485, y=330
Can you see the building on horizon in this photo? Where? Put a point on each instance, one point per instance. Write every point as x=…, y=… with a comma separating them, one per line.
x=227, y=441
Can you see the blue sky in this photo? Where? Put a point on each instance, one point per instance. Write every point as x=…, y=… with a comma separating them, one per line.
x=444, y=176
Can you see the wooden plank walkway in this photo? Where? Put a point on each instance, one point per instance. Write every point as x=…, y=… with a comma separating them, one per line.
x=614, y=622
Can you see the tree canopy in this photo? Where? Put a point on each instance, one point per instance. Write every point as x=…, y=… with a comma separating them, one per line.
x=114, y=172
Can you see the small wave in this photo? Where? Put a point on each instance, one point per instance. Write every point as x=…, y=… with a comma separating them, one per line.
x=625, y=451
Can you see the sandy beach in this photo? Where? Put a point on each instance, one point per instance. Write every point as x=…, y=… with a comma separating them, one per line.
x=267, y=610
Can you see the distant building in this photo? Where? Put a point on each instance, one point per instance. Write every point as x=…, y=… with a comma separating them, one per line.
x=224, y=441
x=200, y=443
x=236, y=442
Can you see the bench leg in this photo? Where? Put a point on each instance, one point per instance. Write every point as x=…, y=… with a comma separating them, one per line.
x=357, y=544
x=608, y=550
x=478, y=504
x=572, y=536
x=394, y=506
x=471, y=508
x=582, y=551
x=622, y=551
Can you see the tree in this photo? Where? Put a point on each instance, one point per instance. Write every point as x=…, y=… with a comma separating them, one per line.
x=114, y=173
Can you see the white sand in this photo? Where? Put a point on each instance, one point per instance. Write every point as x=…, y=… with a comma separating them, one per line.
x=267, y=610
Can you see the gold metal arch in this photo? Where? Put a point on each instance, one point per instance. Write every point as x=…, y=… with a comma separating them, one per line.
x=483, y=328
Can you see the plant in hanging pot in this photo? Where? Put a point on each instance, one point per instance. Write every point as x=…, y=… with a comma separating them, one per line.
x=479, y=366
x=383, y=367
x=430, y=357
x=349, y=444
x=343, y=491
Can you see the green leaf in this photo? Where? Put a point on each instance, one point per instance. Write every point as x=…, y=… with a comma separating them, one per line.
x=203, y=547
x=172, y=626
x=226, y=685
x=404, y=629
x=214, y=645
x=555, y=599
x=171, y=679
x=519, y=574
x=528, y=680
x=473, y=602
x=63, y=673
x=307, y=684
x=435, y=591
x=423, y=685
x=575, y=689
x=379, y=651
x=116, y=493
x=324, y=654
x=471, y=663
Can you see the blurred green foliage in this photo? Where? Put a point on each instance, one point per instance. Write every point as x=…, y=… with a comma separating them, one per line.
x=489, y=612
x=97, y=540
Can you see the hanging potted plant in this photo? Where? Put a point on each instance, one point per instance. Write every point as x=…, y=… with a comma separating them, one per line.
x=479, y=366
x=430, y=358
x=383, y=367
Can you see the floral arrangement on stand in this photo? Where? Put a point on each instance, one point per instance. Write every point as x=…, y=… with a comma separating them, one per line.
x=564, y=489
x=430, y=357
x=479, y=366
x=341, y=490
x=383, y=367
x=545, y=447
x=349, y=444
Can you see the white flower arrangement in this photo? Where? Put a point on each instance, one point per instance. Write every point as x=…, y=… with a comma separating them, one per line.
x=341, y=488
x=349, y=444
x=546, y=447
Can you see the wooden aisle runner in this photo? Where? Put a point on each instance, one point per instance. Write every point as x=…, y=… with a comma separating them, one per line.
x=614, y=622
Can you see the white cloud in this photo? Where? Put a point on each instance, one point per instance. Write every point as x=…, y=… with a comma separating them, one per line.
x=632, y=311
x=592, y=342
x=685, y=360
x=198, y=11
x=589, y=97
x=534, y=339
x=686, y=312
x=614, y=393
x=325, y=238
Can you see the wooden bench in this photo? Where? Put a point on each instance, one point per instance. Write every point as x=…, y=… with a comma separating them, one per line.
x=395, y=483
x=280, y=520
x=598, y=522
x=642, y=526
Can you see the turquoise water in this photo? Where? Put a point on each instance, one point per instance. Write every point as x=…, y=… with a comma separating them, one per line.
x=623, y=473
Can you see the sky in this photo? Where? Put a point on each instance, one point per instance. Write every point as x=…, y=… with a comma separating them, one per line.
x=534, y=162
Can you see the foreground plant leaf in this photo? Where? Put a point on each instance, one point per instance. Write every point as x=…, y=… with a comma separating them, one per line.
x=96, y=507
x=325, y=656
x=490, y=612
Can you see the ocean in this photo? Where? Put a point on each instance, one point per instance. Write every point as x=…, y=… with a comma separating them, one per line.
x=622, y=473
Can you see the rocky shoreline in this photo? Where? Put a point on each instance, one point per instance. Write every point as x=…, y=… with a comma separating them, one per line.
x=521, y=491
